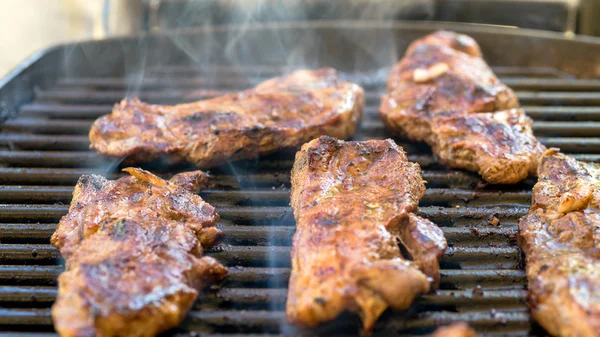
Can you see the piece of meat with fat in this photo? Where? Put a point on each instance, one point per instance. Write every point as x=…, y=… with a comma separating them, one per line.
x=443, y=93
x=133, y=250
x=560, y=237
x=460, y=329
x=283, y=112
x=353, y=202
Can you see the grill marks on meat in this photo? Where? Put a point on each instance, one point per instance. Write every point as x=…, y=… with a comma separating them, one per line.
x=282, y=112
x=561, y=239
x=134, y=249
x=442, y=92
x=353, y=202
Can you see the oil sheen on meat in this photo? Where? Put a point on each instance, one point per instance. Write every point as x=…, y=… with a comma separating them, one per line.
x=283, y=112
x=133, y=250
x=353, y=202
x=561, y=240
x=443, y=93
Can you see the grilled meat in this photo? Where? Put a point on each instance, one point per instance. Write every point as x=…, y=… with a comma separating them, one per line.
x=133, y=248
x=279, y=113
x=353, y=202
x=425, y=243
x=443, y=93
x=455, y=330
x=561, y=239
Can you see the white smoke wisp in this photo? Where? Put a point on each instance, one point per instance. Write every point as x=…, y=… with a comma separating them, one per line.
x=274, y=47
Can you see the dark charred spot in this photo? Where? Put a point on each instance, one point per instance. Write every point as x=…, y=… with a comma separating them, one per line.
x=199, y=117
x=84, y=179
x=320, y=301
x=326, y=222
x=210, y=116
x=500, y=131
x=327, y=141
x=97, y=183
x=119, y=229
x=91, y=180
x=423, y=103
x=255, y=130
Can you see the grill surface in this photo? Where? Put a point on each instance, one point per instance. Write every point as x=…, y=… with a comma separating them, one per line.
x=45, y=149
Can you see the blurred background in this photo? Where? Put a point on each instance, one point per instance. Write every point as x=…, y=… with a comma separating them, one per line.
x=37, y=24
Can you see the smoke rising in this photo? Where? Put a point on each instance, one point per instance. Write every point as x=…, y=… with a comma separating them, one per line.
x=253, y=40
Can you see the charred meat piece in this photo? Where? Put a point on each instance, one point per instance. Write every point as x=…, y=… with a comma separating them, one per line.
x=443, y=93
x=133, y=250
x=283, y=112
x=455, y=330
x=561, y=239
x=353, y=203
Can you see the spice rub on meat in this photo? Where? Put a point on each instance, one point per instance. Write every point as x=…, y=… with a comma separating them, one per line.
x=283, y=112
x=133, y=250
x=443, y=93
x=561, y=239
x=353, y=202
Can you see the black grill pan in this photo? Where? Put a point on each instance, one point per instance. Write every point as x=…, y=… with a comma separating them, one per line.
x=49, y=102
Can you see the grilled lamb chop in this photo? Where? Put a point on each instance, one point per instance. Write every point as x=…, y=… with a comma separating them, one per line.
x=282, y=112
x=133, y=248
x=443, y=93
x=353, y=202
x=561, y=239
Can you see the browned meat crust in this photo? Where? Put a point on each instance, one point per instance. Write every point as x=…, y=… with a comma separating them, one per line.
x=455, y=330
x=561, y=240
x=134, y=254
x=442, y=92
x=282, y=112
x=353, y=202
